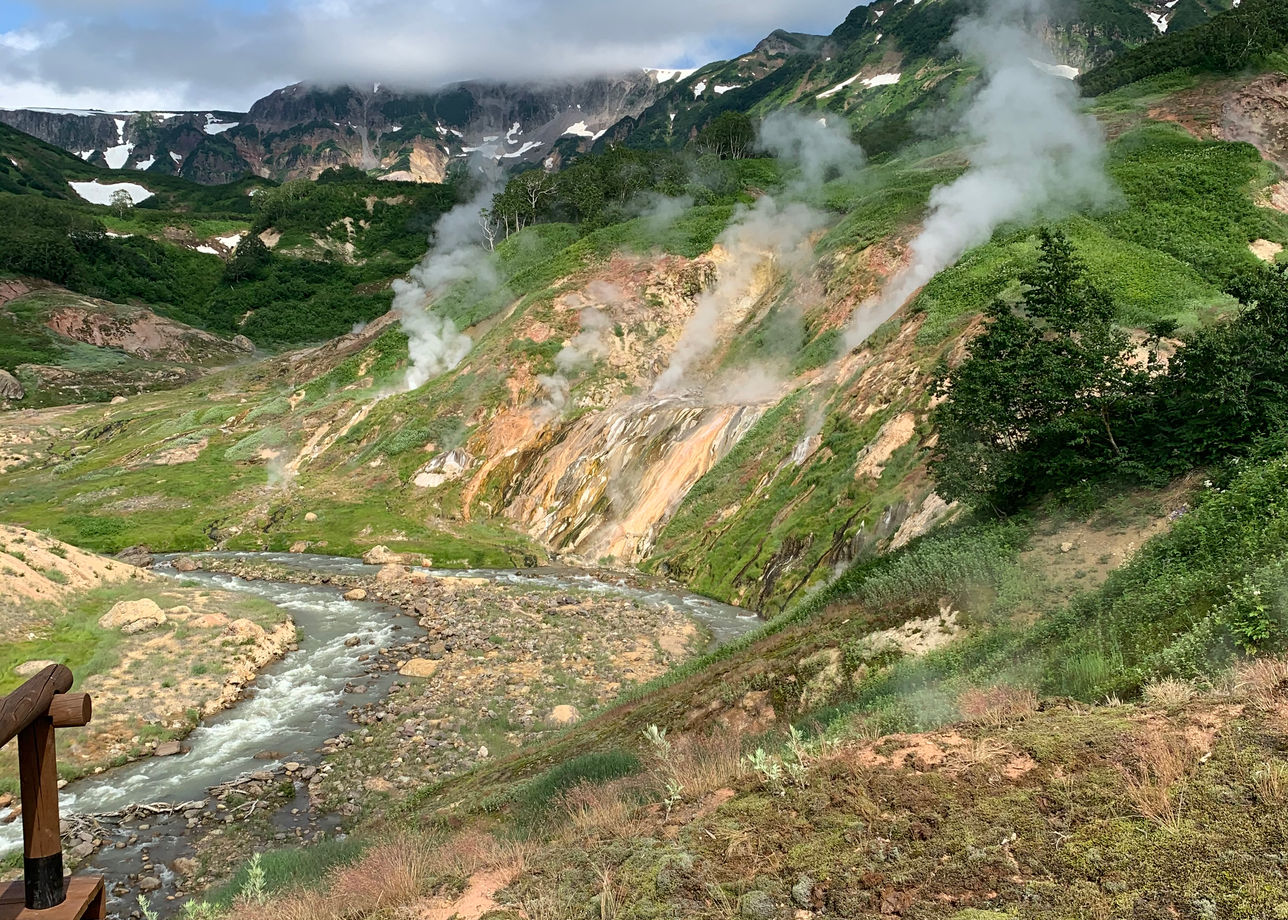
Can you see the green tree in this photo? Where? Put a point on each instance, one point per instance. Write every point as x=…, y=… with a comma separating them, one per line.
x=251, y=260
x=730, y=136
x=1037, y=402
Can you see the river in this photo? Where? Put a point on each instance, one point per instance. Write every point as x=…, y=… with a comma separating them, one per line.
x=299, y=702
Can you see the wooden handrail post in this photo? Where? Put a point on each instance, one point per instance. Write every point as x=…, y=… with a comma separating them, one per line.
x=41, y=833
x=31, y=713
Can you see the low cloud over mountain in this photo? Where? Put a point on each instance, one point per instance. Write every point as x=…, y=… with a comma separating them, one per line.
x=204, y=54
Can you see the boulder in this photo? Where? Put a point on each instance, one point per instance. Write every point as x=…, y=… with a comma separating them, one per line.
x=32, y=668
x=184, y=564
x=419, y=667
x=149, y=883
x=300, y=546
x=133, y=616
x=564, y=715
x=310, y=518
x=242, y=343
x=10, y=388
x=168, y=749
x=388, y=573
x=357, y=594
x=245, y=629
x=380, y=555
x=140, y=556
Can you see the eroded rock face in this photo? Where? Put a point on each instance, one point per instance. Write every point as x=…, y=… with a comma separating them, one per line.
x=616, y=477
x=141, y=334
x=10, y=388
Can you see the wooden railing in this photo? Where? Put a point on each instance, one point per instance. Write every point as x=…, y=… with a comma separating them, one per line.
x=30, y=714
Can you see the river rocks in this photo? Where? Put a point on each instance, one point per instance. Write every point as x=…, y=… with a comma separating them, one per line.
x=168, y=749
x=390, y=573
x=140, y=556
x=32, y=668
x=149, y=883
x=564, y=715
x=357, y=594
x=419, y=667
x=185, y=564
x=10, y=388
x=133, y=616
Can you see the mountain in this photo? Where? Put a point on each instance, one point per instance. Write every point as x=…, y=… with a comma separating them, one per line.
x=302, y=130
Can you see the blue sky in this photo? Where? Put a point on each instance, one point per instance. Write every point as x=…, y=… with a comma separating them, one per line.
x=160, y=54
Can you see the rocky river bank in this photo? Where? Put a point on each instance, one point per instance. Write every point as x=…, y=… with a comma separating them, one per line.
x=441, y=673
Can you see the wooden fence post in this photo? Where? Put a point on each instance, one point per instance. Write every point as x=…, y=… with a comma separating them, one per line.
x=31, y=713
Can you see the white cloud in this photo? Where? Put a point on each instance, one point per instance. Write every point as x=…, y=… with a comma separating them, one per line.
x=205, y=54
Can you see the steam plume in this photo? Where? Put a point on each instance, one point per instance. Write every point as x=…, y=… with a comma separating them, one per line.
x=1034, y=153
x=434, y=343
x=581, y=351
x=818, y=146
x=771, y=230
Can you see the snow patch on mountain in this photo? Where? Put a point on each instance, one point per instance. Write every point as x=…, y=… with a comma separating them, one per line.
x=214, y=126
x=118, y=156
x=1056, y=70
x=580, y=129
x=101, y=193
x=666, y=76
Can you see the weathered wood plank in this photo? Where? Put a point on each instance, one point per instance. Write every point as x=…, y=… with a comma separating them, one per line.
x=85, y=901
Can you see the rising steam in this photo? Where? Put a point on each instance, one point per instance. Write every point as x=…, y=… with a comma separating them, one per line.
x=434, y=343
x=820, y=147
x=586, y=347
x=1033, y=154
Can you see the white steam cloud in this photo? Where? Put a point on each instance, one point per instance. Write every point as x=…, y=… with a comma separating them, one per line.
x=1033, y=153
x=770, y=231
x=818, y=146
x=586, y=347
x=458, y=254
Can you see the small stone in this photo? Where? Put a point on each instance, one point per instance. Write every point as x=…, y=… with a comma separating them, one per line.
x=310, y=518
x=357, y=594
x=1066, y=547
x=185, y=866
